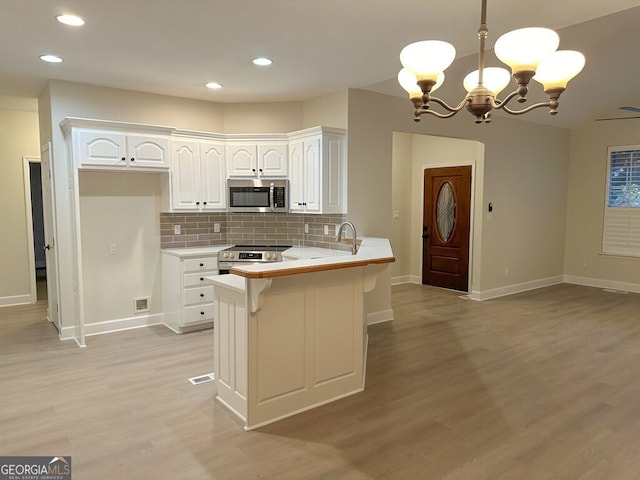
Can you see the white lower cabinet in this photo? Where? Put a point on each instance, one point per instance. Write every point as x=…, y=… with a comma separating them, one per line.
x=187, y=299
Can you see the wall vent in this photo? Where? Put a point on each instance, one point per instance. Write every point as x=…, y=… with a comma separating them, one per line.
x=140, y=304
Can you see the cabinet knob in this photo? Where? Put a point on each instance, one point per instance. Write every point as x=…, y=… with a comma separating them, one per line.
x=204, y=203
x=132, y=159
x=253, y=170
x=201, y=313
x=197, y=203
x=202, y=295
x=124, y=159
x=202, y=279
x=202, y=264
x=260, y=170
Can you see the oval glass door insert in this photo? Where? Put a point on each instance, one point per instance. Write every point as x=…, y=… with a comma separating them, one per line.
x=446, y=212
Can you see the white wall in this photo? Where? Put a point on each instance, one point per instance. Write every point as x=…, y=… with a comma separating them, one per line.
x=18, y=138
x=585, y=213
x=120, y=209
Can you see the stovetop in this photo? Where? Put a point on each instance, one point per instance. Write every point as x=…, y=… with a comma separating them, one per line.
x=257, y=248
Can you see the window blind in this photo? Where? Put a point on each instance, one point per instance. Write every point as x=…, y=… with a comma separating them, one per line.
x=621, y=235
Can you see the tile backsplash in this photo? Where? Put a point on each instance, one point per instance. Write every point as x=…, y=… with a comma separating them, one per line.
x=205, y=229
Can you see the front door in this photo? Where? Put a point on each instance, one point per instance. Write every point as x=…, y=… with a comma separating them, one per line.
x=446, y=226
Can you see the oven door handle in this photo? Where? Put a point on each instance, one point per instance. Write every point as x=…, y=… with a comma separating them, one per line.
x=272, y=200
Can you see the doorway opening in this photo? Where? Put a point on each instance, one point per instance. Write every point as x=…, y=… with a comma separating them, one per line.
x=35, y=228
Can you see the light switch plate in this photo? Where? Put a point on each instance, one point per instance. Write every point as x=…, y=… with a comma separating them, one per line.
x=176, y=229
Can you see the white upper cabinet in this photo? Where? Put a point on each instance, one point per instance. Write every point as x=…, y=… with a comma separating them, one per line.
x=197, y=174
x=121, y=150
x=259, y=158
x=273, y=159
x=318, y=171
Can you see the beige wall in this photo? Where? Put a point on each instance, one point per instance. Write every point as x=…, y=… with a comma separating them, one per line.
x=402, y=157
x=328, y=111
x=585, y=213
x=412, y=154
x=18, y=138
x=66, y=99
x=525, y=177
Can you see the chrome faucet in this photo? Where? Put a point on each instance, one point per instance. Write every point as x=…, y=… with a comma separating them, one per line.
x=354, y=247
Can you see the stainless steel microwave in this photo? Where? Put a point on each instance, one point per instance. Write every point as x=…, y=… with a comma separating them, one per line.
x=259, y=195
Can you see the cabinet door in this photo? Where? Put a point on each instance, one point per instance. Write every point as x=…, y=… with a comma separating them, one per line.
x=185, y=181
x=212, y=176
x=241, y=160
x=296, y=176
x=272, y=160
x=311, y=174
x=334, y=195
x=148, y=151
x=100, y=148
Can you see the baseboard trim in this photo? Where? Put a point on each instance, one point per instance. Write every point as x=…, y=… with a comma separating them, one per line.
x=516, y=288
x=406, y=279
x=120, y=324
x=16, y=300
x=600, y=283
x=380, y=317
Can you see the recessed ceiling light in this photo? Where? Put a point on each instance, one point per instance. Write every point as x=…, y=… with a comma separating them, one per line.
x=72, y=20
x=51, y=58
x=213, y=85
x=262, y=61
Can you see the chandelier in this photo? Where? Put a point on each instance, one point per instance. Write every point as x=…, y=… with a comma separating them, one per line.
x=531, y=53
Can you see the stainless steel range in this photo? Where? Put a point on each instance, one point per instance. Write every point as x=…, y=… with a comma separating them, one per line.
x=249, y=255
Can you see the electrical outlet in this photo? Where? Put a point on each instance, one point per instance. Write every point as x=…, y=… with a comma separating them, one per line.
x=113, y=249
x=396, y=214
x=326, y=229
x=506, y=271
x=216, y=228
x=306, y=228
x=176, y=229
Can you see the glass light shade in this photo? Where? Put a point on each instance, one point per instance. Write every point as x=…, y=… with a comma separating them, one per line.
x=408, y=81
x=428, y=58
x=524, y=49
x=557, y=69
x=494, y=78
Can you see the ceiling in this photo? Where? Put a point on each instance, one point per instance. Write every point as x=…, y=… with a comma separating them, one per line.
x=173, y=47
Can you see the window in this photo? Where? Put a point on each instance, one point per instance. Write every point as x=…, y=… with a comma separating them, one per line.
x=621, y=234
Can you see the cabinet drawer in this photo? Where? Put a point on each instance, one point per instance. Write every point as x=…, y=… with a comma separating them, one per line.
x=198, y=295
x=200, y=264
x=199, y=314
x=195, y=279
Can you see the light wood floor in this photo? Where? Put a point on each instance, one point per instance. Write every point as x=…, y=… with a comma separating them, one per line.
x=541, y=385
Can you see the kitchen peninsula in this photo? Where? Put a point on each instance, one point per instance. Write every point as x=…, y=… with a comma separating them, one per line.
x=291, y=336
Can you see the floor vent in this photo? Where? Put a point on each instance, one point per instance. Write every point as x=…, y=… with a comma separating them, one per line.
x=202, y=379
